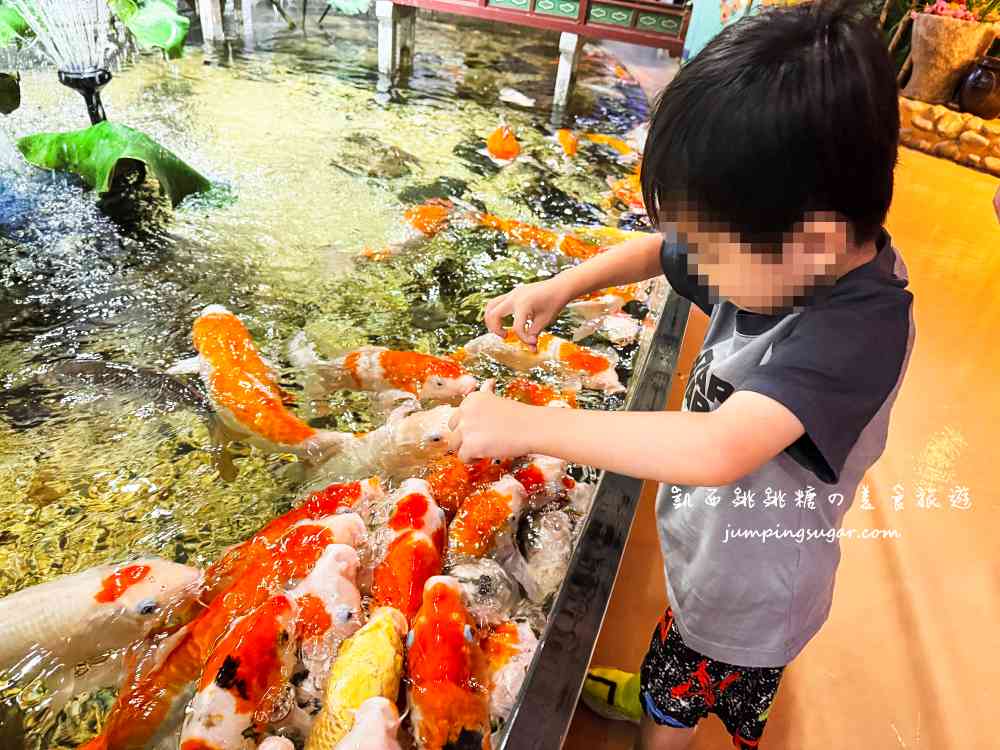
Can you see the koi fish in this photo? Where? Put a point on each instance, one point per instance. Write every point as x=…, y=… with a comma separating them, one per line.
x=487, y=519
x=513, y=96
x=329, y=612
x=376, y=724
x=150, y=693
x=628, y=191
x=377, y=369
x=487, y=590
x=548, y=546
x=502, y=145
x=448, y=696
x=276, y=743
x=568, y=140
x=522, y=233
x=369, y=664
x=422, y=221
x=597, y=370
x=605, y=301
x=543, y=478
x=244, y=389
x=537, y=394
x=509, y=648
x=415, y=549
x=620, y=329
x=617, y=144
x=243, y=680
x=451, y=480
x=581, y=497
x=77, y=618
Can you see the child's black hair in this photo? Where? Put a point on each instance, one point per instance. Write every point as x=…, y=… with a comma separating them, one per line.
x=787, y=111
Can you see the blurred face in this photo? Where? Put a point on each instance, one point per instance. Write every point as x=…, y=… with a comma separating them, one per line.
x=767, y=280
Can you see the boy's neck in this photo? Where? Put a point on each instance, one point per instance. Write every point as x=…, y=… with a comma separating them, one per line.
x=857, y=256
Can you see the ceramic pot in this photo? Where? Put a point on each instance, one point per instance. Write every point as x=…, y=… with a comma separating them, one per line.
x=980, y=92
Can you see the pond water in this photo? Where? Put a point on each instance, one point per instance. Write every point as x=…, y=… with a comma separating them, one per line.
x=103, y=456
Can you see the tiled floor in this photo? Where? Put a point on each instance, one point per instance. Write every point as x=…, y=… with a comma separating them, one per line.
x=909, y=657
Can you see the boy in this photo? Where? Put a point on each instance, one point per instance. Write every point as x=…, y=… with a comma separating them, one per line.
x=769, y=166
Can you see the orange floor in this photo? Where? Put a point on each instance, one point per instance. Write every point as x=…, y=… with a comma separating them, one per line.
x=910, y=657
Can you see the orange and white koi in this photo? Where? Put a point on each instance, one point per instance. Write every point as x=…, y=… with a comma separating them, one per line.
x=539, y=394
x=329, y=612
x=244, y=389
x=624, y=150
x=606, y=301
x=568, y=141
x=502, y=145
x=369, y=665
x=543, y=478
x=595, y=369
x=375, y=368
x=628, y=190
x=487, y=520
x=415, y=548
x=451, y=480
x=243, y=680
x=522, y=233
x=620, y=329
x=509, y=648
x=151, y=691
x=422, y=222
x=77, y=618
x=376, y=726
x=448, y=696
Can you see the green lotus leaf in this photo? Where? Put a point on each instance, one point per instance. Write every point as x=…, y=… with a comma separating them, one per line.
x=97, y=154
x=153, y=23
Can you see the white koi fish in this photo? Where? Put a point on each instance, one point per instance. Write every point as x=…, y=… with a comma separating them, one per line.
x=509, y=648
x=376, y=724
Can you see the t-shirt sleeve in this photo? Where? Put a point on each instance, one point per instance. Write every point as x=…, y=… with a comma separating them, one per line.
x=673, y=259
x=835, y=370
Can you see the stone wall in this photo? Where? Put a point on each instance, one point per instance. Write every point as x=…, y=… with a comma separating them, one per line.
x=960, y=137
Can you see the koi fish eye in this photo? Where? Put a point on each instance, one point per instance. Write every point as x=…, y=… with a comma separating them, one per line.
x=344, y=614
x=147, y=607
x=438, y=382
x=468, y=633
x=435, y=438
x=409, y=639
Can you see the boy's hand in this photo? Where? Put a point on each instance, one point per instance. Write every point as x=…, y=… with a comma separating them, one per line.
x=487, y=426
x=533, y=306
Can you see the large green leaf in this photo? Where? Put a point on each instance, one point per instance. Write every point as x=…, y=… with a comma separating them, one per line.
x=13, y=27
x=95, y=154
x=153, y=23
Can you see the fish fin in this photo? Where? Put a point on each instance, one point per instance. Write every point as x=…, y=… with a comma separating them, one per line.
x=222, y=457
x=319, y=376
x=517, y=567
x=189, y=366
x=587, y=328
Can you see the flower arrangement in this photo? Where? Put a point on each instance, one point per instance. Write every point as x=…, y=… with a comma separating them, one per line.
x=963, y=10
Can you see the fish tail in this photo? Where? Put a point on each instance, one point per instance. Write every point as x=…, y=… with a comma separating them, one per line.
x=319, y=376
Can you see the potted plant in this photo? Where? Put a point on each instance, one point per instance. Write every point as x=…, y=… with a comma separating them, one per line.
x=947, y=38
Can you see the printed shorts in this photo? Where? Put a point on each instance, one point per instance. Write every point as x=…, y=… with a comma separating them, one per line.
x=680, y=687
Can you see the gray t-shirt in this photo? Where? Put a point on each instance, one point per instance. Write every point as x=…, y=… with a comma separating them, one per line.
x=750, y=566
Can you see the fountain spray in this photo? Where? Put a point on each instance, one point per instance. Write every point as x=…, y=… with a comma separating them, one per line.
x=74, y=35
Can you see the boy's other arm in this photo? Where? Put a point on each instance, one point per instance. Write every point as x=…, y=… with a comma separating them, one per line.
x=705, y=449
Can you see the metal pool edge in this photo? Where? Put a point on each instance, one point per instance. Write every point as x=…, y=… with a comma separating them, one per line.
x=544, y=710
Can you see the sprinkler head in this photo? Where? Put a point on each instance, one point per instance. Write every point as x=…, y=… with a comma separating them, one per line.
x=89, y=83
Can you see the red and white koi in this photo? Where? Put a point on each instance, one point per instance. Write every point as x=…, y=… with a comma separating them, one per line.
x=374, y=368
x=79, y=617
x=595, y=369
x=544, y=479
x=447, y=693
x=486, y=521
x=243, y=680
x=415, y=548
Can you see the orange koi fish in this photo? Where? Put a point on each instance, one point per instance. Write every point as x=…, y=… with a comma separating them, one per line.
x=544, y=239
x=538, y=394
x=596, y=370
x=544, y=479
x=421, y=222
x=628, y=191
x=148, y=695
x=487, y=519
x=415, y=550
x=611, y=141
x=244, y=389
x=377, y=369
x=509, y=648
x=568, y=140
x=502, y=144
x=605, y=301
x=448, y=681
x=243, y=680
x=451, y=480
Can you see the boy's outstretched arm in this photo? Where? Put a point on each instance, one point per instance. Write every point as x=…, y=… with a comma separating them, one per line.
x=534, y=306
x=705, y=449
